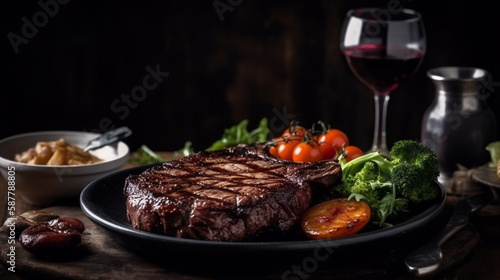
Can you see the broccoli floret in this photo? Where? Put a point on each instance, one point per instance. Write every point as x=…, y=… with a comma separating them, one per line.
x=388, y=184
x=364, y=184
x=414, y=170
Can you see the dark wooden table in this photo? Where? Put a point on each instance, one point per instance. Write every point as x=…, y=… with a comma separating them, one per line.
x=474, y=253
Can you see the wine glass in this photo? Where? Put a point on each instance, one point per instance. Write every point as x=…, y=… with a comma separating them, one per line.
x=382, y=48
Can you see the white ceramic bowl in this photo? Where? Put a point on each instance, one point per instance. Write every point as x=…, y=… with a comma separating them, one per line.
x=44, y=185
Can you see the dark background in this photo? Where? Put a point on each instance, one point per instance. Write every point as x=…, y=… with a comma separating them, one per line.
x=264, y=57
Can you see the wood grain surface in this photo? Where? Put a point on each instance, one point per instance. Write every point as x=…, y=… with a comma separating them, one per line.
x=100, y=257
x=473, y=253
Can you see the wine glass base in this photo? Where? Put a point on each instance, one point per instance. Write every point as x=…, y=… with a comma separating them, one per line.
x=383, y=150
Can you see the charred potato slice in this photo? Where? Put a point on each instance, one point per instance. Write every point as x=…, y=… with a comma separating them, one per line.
x=335, y=218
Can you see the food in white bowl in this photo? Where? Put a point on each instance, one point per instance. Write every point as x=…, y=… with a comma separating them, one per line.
x=57, y=152
x=45, y=185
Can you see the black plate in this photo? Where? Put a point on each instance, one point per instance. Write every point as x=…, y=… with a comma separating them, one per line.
x=103, y=202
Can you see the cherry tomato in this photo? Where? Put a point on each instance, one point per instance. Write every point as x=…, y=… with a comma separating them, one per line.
x=352, y=152
x=327, y=150
x=295, y=132
x=286, y=147
x=307, y=152
x=335, y=137
x=273, y=150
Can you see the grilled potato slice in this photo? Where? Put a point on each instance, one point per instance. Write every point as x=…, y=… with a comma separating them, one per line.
x=335, y=218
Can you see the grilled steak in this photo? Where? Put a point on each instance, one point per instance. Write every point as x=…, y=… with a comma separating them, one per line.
x=234, y=194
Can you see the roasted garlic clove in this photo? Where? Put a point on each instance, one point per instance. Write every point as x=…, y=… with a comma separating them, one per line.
x=39, y=215
x=55, y=237
x=25, y=220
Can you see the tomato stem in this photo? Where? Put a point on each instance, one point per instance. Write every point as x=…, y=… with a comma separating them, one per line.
x=324, y=127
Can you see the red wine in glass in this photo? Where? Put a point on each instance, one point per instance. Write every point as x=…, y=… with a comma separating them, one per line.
x=383, y=47
x=380, y=69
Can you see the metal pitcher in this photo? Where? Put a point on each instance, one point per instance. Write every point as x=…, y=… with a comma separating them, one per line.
x=459, y=123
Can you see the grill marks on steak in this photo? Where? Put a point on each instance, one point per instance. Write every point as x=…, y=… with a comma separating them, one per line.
x=234, y=194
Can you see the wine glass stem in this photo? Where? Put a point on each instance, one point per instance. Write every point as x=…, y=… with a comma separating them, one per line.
x=379, y=135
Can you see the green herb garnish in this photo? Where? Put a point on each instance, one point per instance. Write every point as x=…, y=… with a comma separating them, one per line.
x=239, y=134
